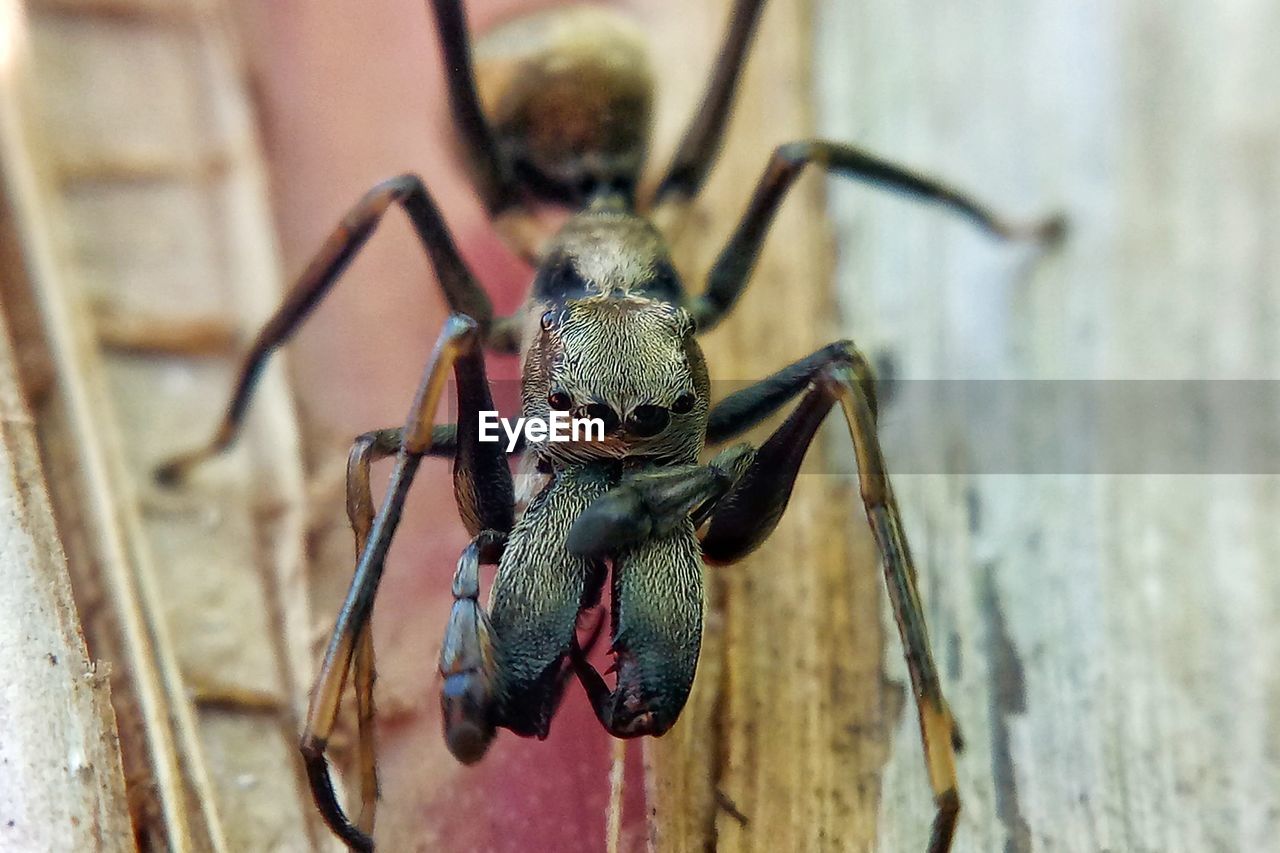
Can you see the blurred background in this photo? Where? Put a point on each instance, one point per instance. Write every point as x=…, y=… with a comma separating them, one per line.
x=1107, y=637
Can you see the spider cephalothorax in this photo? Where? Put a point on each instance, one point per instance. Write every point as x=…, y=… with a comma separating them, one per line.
x=629, y=361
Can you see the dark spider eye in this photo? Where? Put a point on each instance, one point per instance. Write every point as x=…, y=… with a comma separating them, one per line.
x=559, y=401
x=647, y=421
x=683, y=404
x=548, y=320
x=603, y=413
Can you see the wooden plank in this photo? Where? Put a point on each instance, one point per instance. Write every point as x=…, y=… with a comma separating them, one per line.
x=1106, y=638
x=61, y=780
x=151, y=198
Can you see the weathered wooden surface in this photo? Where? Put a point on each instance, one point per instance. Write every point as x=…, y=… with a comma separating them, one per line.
x=1108, y=641
x=151, y=200
x=61, y=781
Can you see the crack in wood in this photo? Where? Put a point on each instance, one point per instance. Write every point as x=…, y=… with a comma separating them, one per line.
x=1008, y=698
x=719, y=726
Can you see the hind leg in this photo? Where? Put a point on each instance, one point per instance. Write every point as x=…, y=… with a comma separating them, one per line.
x=728, y=277
x=705, y=133
x=491, y=171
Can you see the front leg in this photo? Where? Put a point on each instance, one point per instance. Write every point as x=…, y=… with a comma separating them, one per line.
x=654, y=502
x=457, y=351
x=467, y=665
x=748, y=514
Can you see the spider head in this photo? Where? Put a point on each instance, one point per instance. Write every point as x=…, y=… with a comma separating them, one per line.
x=628, y=364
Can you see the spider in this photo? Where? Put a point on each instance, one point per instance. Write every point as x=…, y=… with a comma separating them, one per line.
x=608, y=333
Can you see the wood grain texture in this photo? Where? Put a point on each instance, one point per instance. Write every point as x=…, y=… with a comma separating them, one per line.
x=1107, y=640
x=150, y=195
x=61, y=780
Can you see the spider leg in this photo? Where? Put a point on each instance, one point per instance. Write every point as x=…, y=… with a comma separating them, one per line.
x=729, y=275
x=651, y=504
x=458, y=350
x=751, y=510
x=461, y=293
x=364, y=674
x=467, y=661
x=702, y=138
x=381, y=443
x=492, y=173
x=368, y=448
x=743, y=409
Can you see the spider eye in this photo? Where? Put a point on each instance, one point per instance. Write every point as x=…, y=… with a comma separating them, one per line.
x=683, y=404
x=599, y=411
x=548, y=321
x=648, y=421
x=559, y=401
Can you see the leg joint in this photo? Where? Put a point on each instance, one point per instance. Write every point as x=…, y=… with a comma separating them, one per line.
x=848, y=366
x=400, y=187
x=797, y=154
x=374, y=444
x=363, y=217
x=312, y=747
